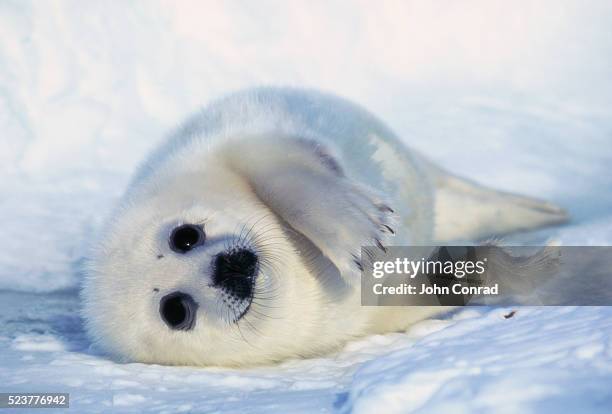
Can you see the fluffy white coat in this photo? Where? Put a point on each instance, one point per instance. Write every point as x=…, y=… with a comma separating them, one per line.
x=308, y=179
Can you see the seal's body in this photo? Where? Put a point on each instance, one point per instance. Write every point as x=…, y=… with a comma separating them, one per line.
x=238, y=241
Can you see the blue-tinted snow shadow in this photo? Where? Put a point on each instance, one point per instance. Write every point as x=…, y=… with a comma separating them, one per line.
x=56, y=314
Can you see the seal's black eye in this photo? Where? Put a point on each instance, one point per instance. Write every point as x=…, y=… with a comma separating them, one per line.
x=186, y=237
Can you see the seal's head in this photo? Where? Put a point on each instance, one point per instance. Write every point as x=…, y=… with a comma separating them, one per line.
x=226, y=257
x=195, y=269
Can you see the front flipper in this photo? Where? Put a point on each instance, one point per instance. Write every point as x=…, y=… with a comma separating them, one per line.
x=336, y=214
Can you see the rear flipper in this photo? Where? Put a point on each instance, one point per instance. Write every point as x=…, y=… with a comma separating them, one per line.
x=466, y=211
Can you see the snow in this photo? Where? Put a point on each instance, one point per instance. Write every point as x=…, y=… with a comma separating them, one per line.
x=536, y=360
x=517, y=98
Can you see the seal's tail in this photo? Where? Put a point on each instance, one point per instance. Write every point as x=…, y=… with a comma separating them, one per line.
x=465, y=210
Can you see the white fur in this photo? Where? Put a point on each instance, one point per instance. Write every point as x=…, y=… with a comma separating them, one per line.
x=309, y=176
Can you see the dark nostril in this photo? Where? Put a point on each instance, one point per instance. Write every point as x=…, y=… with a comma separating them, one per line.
x=178, y=311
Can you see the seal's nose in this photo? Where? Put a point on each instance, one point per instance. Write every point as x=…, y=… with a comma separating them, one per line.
x=178, y=310
x=235, y=272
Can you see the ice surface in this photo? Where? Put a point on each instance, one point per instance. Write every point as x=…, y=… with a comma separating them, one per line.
x=540, y=360
x=518, y=98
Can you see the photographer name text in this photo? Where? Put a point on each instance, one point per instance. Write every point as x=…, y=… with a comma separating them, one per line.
x=426, y=289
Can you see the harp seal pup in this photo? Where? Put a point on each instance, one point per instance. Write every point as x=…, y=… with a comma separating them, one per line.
x=237, y=242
